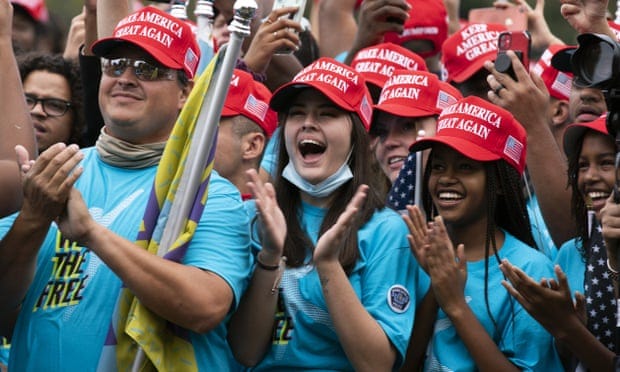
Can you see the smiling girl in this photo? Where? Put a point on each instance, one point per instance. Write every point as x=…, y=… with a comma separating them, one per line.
x=591, y=168
x=472, y=182
x=331, y=285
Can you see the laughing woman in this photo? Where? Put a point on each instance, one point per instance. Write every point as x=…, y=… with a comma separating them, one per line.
x=331, y=284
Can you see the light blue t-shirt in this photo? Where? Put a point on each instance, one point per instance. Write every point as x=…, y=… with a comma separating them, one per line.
x=541, y=235
x=573, y=264
x=384, y=279
x=269, y=161
x=67, y=313
x=5, y=347
x=518, y=336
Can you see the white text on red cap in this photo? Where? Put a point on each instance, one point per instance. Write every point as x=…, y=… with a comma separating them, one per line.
x=477, y=41
x=476, y=111
x=149, y=32
x=392, y=88
x=384, y=55
x=341, y=83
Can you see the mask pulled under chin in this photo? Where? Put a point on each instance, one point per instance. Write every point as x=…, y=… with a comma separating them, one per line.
x=323, y=188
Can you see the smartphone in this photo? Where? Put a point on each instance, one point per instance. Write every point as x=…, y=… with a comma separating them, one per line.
x=297, y=16
x=519, y=42
x=301, y=4
x=513, y=17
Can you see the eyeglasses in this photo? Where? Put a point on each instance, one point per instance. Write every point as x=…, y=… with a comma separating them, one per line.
x=143, y=70
x=53, y=107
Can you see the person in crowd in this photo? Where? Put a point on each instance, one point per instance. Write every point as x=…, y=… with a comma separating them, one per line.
x=332, y=286
x=29, y=21
x=53, y=91
x=378, y=62
x=15, y=129
x=410, y=102
x=472, y=196
x=550, y=303
x=82, y=211
x=247, y=123
x=464, y=54
x=591, y=163
x=558, y=84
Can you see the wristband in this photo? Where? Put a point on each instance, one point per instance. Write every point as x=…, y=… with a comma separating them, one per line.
x=613, y=274
x=264, y=266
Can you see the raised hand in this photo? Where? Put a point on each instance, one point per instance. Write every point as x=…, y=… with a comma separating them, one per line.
x=610, y=222
x=49, y=180
x=549, y=302
x=271, y=218
x=378, y=17
x=276, y=32
x=418, y=234
x=446, y=267
x=586, y=15
x=329, y=244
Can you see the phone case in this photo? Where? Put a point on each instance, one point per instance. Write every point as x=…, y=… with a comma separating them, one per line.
x=517, y=41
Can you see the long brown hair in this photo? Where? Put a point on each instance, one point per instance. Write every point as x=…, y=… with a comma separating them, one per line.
x=297, y=243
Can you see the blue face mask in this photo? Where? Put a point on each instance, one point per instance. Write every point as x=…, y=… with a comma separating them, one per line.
x=324, y=188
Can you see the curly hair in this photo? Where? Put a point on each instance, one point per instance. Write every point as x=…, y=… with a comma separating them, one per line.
x=56, y=64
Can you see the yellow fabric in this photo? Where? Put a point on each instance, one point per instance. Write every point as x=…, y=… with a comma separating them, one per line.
x=164, y=350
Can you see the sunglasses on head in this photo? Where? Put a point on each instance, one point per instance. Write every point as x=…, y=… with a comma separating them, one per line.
x=143, y=70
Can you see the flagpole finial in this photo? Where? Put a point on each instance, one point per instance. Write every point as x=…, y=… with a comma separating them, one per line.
x=179, y=9
x=244, y=13
x=204, y=8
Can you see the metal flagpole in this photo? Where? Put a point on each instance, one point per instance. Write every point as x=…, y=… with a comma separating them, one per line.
x=204, y=19
x=210, y=115
x=202, y=140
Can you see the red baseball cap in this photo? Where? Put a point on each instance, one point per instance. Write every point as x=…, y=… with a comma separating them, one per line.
x=615, y=28
x=448, y=95
x=428, y=20
x=340, y=83
x=168, y=39
x=481, y=131
x=465, y=51
x=250, y=98
x=378, y=62
x=558, y=83
x=35, y=8
x=410, y=94
x=574, y=132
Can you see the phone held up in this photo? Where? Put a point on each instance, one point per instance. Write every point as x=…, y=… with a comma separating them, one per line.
x=297, y=16
x=520, y=43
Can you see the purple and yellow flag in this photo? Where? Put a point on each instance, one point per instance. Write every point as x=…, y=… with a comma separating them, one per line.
x=167, y=347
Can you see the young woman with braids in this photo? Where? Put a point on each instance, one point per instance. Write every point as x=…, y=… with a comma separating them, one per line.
x=343, y=299
x=472, y=187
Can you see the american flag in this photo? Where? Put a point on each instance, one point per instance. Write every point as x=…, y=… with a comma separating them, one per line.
x=366, y=110
x=513, y=149
x=562, y=84
x=444, y=100
x=256, y=107
x=191, y=60
x=402, y=192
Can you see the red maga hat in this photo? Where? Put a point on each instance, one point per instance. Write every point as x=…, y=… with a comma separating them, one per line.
x=465, y=51
x=340, y=83
x=481, y=131
x=168, y=39
x=250, y=98
x=378, y=62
